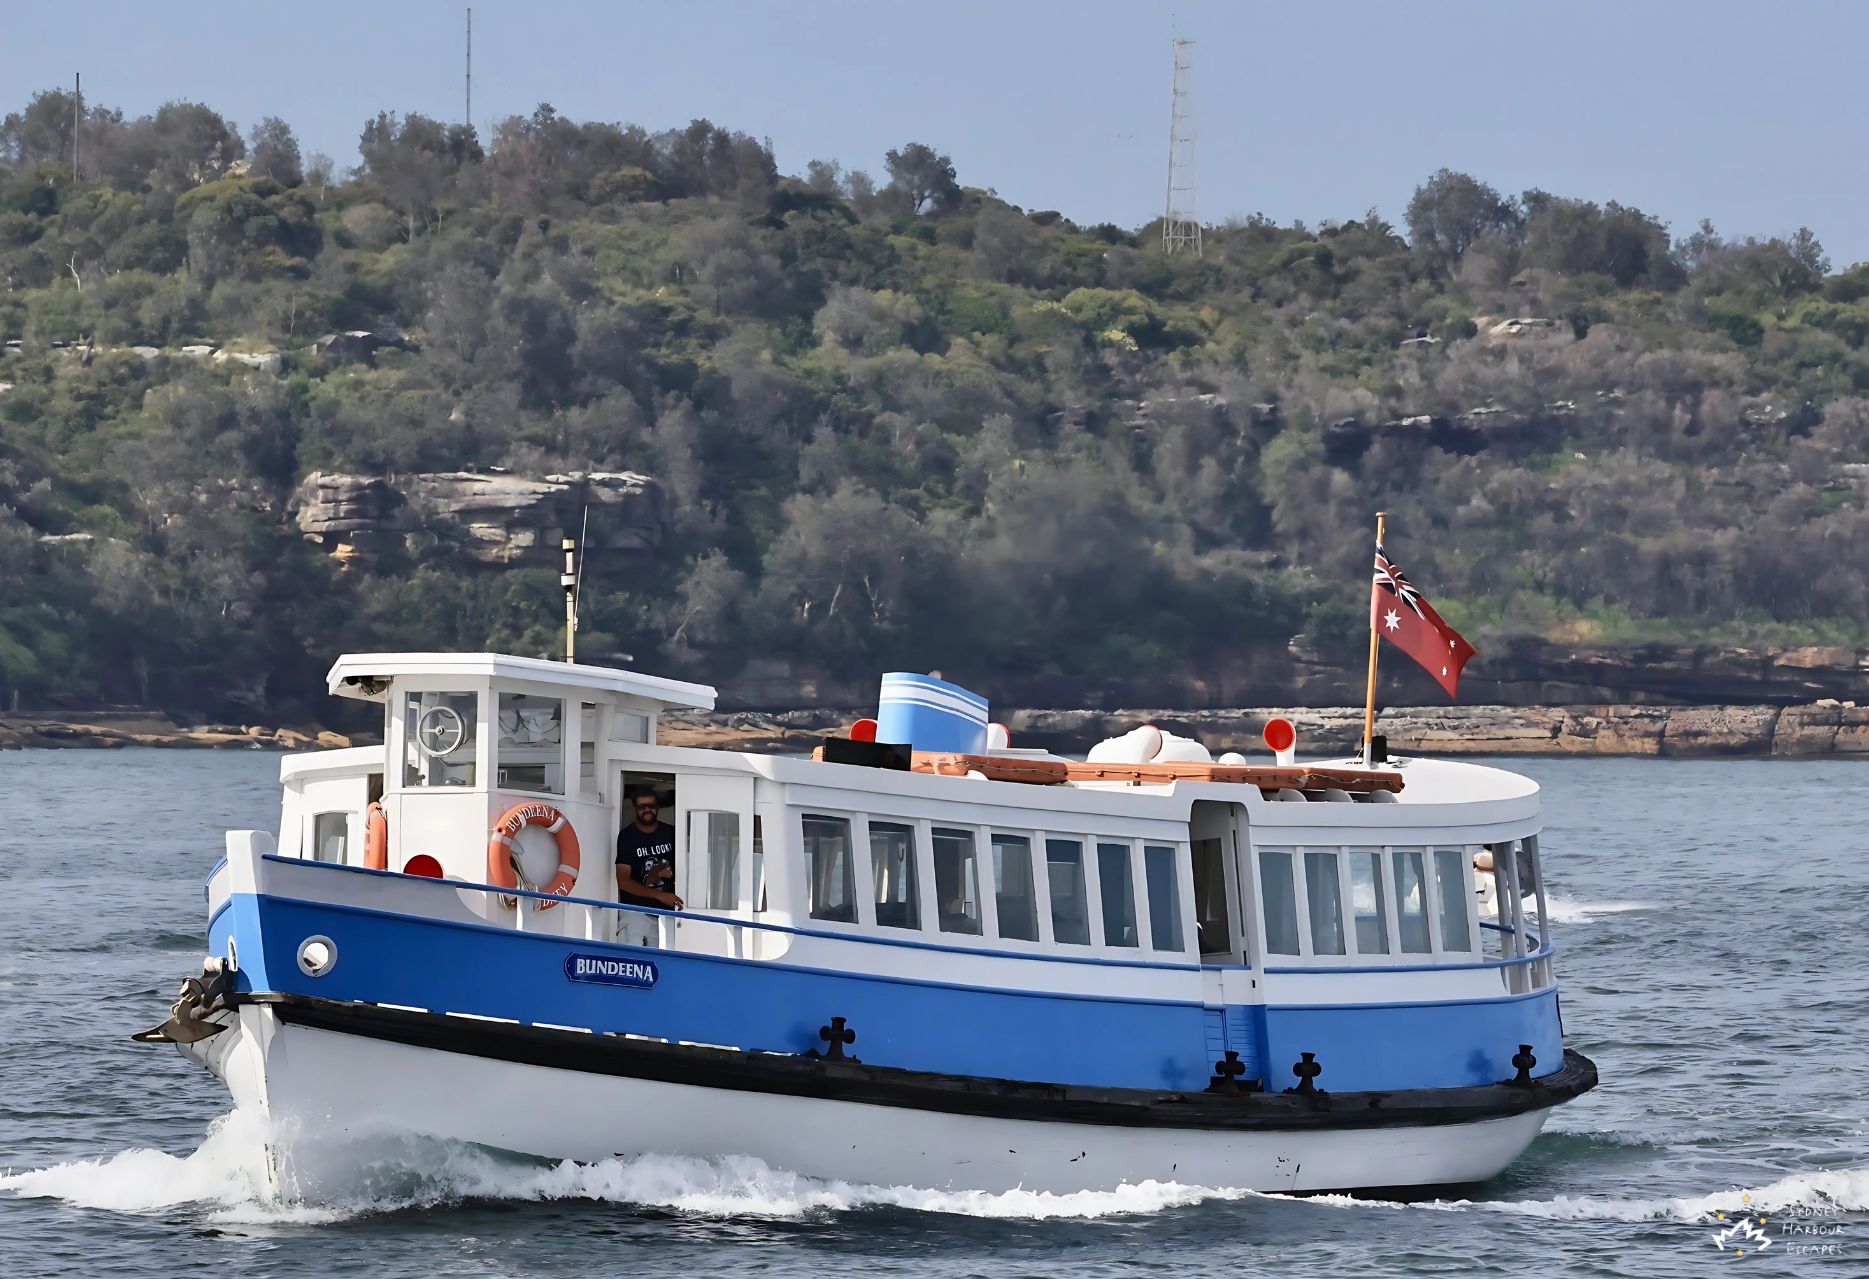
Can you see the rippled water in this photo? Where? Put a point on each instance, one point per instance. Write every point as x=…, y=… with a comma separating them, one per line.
x=1715, y=966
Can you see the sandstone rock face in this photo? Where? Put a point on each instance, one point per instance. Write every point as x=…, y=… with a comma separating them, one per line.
x=492, y=519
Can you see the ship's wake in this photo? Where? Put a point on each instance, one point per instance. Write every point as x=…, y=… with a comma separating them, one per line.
x=227, y=1178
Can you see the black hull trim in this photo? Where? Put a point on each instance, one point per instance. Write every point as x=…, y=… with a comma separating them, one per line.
x=785, y=1076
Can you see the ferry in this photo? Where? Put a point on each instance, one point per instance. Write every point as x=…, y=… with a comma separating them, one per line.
x=921, y=956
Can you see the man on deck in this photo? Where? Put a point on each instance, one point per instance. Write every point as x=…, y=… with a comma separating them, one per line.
x=646, y=858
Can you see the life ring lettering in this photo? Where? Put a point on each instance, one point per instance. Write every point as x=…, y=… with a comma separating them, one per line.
x=503, y=869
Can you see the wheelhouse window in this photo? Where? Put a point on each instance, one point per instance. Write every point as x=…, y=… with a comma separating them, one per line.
x=1450, y=881
x=1411, y=901
x=1278, y=898
x=1164, y=884
x=892, y=865
x=957, y=882
x=1012, y=887
x=627, y=726
x=1323, y=894
x=330, y=836
x=1368, y=902
x=589, y=716
x=1070, y=902
x=1119, y=898
x=440, y=735
x=531, y=754
x=831, y=882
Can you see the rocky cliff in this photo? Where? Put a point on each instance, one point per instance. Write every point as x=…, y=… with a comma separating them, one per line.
x=1822, y=728
x=497, y=520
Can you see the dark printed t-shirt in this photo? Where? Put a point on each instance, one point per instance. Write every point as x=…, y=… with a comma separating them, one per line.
x=645, y=854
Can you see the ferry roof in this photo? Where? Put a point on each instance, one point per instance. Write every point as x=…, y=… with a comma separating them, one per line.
x=365, y=676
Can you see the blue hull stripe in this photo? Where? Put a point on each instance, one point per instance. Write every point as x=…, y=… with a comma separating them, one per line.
x=919, y=1024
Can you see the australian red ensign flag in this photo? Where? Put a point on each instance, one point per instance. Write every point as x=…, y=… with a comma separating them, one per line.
x=1404, y=617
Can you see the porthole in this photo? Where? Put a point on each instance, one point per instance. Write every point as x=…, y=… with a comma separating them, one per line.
x=317, y=956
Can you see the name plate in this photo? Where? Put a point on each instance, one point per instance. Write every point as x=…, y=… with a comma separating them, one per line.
x=637, y=974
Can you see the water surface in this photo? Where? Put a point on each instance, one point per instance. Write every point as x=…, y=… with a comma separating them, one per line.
x=1714, y=965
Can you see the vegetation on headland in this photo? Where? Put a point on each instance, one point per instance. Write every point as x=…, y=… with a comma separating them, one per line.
x=899, y=421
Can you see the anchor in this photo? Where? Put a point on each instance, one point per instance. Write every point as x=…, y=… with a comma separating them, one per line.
x=1524, y=1060
x=1307, y=1071
x=837, y=1034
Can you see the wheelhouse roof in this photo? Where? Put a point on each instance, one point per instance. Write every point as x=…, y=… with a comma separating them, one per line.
x=366, y=676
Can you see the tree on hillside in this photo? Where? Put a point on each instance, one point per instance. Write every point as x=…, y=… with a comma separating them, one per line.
x=923, y=179
x=274, y=152
x=415, y=160
x=191, y=144
x=1452, y=210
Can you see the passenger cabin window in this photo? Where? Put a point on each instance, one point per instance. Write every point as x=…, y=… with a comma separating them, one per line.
x=330, y=837
x=1119, y=898
x=531, y=753
x=892, y=865
x=1070, y=900
x=1278, y=898
x=1212, y=929
x=1411, y=901
x=440, y=732
x=957, y=882
x=1012, y=887
x=1164, y=884
x=1368, y=902
x=1323, y=895
x=832, y=883
x=1450, y=881
x=719, y=834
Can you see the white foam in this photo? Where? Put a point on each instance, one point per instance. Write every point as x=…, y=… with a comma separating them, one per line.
x=1567, y=910
x=1841, y=1189
x=227, y=1176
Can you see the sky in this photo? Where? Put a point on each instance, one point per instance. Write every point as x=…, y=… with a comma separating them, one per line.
x=1749, y=114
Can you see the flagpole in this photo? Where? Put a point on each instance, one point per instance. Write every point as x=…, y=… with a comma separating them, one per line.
x=1375, y=643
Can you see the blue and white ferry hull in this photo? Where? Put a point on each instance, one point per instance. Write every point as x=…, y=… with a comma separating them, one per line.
x=388, y=1040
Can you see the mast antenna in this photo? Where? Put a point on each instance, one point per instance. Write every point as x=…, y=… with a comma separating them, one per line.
x=1181, y=222
x=468, y=120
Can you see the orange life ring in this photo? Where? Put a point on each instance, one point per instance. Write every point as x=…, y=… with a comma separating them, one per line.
x=376, y=837
x=503, y=853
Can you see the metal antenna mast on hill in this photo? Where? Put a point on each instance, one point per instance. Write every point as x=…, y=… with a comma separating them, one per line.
x=1181, y=223
x=468, y=119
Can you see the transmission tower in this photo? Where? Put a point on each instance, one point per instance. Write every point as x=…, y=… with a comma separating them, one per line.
x=1181, y=224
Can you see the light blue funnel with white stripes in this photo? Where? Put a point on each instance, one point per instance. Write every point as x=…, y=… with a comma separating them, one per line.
x=930, y=714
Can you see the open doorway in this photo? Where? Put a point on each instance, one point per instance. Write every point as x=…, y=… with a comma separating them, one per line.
x=1217, y=914
x=645, y=845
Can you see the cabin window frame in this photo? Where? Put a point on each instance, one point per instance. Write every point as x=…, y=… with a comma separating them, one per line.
x=1307, y=935
x=868, y=874
x=1040, y=884
x=312, y=849
x=1048, y=926
x=1181, y=863
x=1261, y=921
x=1094, y=845
x=858, y=825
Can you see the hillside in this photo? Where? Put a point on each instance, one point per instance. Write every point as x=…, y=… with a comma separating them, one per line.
x=254, y=412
